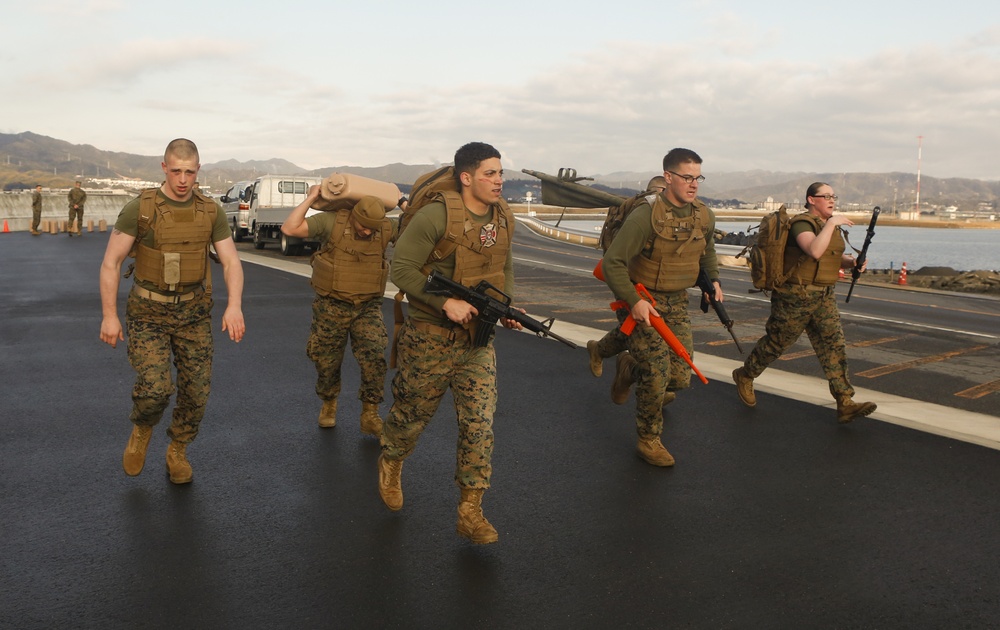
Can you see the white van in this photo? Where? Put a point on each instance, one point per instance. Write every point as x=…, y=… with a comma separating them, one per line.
x=236, y=205
x=272, y=198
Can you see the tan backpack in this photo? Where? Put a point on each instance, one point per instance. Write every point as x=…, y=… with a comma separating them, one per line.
x=766, y=251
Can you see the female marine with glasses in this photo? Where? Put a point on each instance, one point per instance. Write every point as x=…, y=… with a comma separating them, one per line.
x=807, y=302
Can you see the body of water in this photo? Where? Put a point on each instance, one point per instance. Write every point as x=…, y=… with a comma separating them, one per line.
x=960, y=249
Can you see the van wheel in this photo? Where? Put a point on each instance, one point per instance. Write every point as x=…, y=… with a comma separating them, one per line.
x=258, y=243
x=237, y=232
x=287, y=249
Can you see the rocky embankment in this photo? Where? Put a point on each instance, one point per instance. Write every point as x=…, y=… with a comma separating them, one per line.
x=941, y=278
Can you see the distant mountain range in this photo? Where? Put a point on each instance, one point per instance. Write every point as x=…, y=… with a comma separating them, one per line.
x=28, y=158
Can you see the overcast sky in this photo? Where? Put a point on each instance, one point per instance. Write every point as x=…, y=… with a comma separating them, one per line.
x=598, y=86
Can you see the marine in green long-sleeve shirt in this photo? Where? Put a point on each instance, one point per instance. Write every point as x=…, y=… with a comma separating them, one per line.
x=424, y=231
x=662, y=245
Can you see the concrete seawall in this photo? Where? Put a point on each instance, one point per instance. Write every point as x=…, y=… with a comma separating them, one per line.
x=15, y=207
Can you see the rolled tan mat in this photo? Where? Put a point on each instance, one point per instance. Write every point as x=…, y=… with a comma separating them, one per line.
x=90, y=225
x=340, y=191
x=102, y=225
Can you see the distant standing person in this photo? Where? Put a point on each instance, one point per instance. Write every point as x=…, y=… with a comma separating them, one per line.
x=662, y=245
x=435, y=352
x=36, y=209
x=807, y=303
x=349, y=275
x=77, y=197
x=168, y=231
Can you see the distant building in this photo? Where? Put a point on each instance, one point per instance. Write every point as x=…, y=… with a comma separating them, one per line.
x=770, y=205
x=129, y=184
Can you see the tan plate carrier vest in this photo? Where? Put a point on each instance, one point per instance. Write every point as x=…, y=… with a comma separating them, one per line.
x=352, y=269
x=178, y=259
x=823, y=272
x=473, y=261
x=670, y=261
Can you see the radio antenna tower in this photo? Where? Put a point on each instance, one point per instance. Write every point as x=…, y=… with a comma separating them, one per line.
x=920, y=144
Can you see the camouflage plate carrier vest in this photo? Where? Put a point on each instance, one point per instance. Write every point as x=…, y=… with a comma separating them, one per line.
x=352, y=269
x=474, y=261
x=670, y=261
x=823, y=272
x=178, y=259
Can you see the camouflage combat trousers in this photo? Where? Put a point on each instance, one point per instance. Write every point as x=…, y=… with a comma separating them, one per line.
x=429, y=364
x=614, y=341
x=75, y=214
x=36, y=218
x=795, y=310
x=155, y=331
x=332, y=323
x=659, y=370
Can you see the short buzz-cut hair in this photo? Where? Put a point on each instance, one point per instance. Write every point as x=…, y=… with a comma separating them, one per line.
x=183, y=149
x=470, y=156
x=676, y=157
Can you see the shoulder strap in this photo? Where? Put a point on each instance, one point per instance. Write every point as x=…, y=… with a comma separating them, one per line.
x=147, y=208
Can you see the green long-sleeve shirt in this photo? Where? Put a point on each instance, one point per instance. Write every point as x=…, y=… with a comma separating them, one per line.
x=416, y=243
x=632, y=238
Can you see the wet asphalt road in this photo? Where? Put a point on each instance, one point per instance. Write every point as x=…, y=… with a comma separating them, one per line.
x=776, y=517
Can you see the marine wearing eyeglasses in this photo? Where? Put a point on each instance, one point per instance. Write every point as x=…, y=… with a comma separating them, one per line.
x=662, y=244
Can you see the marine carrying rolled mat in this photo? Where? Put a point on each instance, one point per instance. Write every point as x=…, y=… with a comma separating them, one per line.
x=340, y=191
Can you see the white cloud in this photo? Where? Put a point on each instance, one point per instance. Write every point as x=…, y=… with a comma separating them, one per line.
x=746, y=88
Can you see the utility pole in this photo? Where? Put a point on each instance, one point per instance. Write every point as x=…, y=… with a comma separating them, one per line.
x=920, y=144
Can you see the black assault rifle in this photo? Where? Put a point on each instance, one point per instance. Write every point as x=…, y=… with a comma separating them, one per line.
x=708, y=289
x=863, y=255
x=490, y=308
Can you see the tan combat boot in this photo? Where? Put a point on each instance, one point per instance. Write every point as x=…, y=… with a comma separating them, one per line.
x=848, y=410
x=744, y=387
x=177, y=463
x=596, y=360
x=624, y=377
x=135, y=451
x=389, y=484
x=471, y=522
x=652, y=451
x=328, y=414
x=668, y=397
x=371, y=422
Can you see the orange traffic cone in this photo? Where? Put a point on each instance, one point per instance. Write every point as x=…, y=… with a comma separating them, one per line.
x=6, y=228
x=902, y=275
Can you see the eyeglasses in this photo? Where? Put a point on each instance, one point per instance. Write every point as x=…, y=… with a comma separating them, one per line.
x=827, y=197
x=689, y=179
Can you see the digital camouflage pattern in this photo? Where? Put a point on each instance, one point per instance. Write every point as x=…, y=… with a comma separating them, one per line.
x=36, y=210
x=76, y=200
x=333, y=322
x=794, y=310
x=155, y=330
x=614, y=341
x=429, y=365
x=658, y=369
